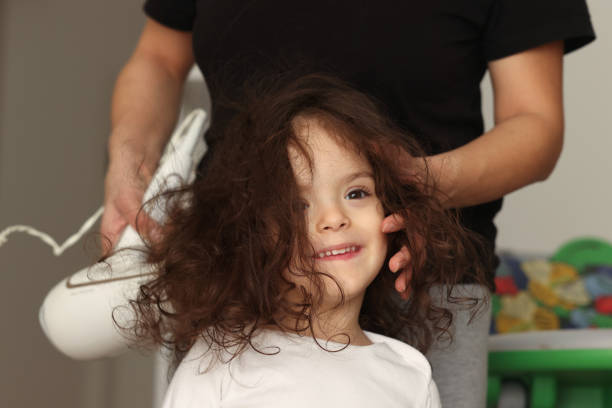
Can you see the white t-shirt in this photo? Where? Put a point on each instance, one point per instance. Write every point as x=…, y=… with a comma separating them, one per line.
x=387, y=373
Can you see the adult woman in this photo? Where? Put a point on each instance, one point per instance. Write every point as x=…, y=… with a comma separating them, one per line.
x=423, y=61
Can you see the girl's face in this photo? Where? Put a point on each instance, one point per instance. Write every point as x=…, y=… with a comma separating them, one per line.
x=343, y=214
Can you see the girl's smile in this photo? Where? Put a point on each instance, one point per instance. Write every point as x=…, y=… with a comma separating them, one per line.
x=338, y=252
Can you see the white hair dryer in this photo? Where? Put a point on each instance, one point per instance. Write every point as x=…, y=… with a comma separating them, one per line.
x=77, y=314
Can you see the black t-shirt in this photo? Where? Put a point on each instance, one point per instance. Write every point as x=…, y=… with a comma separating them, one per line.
x=423, y=59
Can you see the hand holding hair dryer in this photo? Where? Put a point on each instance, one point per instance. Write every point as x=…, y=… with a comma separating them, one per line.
x=77, y=314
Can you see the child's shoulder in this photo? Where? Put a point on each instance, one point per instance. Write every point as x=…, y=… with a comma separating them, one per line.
x=197, y=380
x=398, y=355
x=405, y=352
x=393, y=359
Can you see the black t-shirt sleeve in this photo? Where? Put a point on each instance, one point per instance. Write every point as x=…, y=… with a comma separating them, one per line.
x=176, y=14
x=517, y=25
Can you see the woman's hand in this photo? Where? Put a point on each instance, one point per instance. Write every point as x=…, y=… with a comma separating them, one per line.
x=401, y=261
x=413, y=170
x=126, y=180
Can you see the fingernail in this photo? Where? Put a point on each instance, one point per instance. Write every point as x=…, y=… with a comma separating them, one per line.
x=386, y=227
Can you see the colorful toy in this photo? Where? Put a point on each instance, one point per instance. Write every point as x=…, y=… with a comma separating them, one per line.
x=554, y=333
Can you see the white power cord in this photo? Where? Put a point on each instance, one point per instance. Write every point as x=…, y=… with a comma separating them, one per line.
x=47, y=239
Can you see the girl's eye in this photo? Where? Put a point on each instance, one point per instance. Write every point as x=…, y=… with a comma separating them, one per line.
x=357, y=194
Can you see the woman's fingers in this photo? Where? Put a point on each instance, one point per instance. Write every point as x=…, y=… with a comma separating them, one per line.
x=147, y=227
x=124, y=187
x=402, y=283
x=114, y=223
x=111, y=226
x=400, y=260
x=392, y=223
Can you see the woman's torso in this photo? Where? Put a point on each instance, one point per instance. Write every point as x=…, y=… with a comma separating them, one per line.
x=423, y=59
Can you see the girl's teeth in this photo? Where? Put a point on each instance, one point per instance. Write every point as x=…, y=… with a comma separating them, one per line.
x=337, y=252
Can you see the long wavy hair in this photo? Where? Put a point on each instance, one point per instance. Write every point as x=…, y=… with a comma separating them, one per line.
x=221, y=257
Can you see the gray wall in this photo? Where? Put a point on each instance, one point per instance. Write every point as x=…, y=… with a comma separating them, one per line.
x=59, y=60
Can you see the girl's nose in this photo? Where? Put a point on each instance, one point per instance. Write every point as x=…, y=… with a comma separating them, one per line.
x=332, y=218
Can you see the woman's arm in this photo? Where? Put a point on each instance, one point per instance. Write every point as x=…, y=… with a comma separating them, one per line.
x=521, y=149
x=144, y=109
x=525, y=143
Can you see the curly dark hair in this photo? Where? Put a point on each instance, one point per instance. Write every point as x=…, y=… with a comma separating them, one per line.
x=220, y=258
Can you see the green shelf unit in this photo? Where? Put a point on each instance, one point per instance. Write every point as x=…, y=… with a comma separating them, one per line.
x=555, y=378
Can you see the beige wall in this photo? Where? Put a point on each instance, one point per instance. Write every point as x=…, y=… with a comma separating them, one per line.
x=58, y=63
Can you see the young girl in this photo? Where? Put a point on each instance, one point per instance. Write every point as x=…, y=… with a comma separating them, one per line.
x=273, y=287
